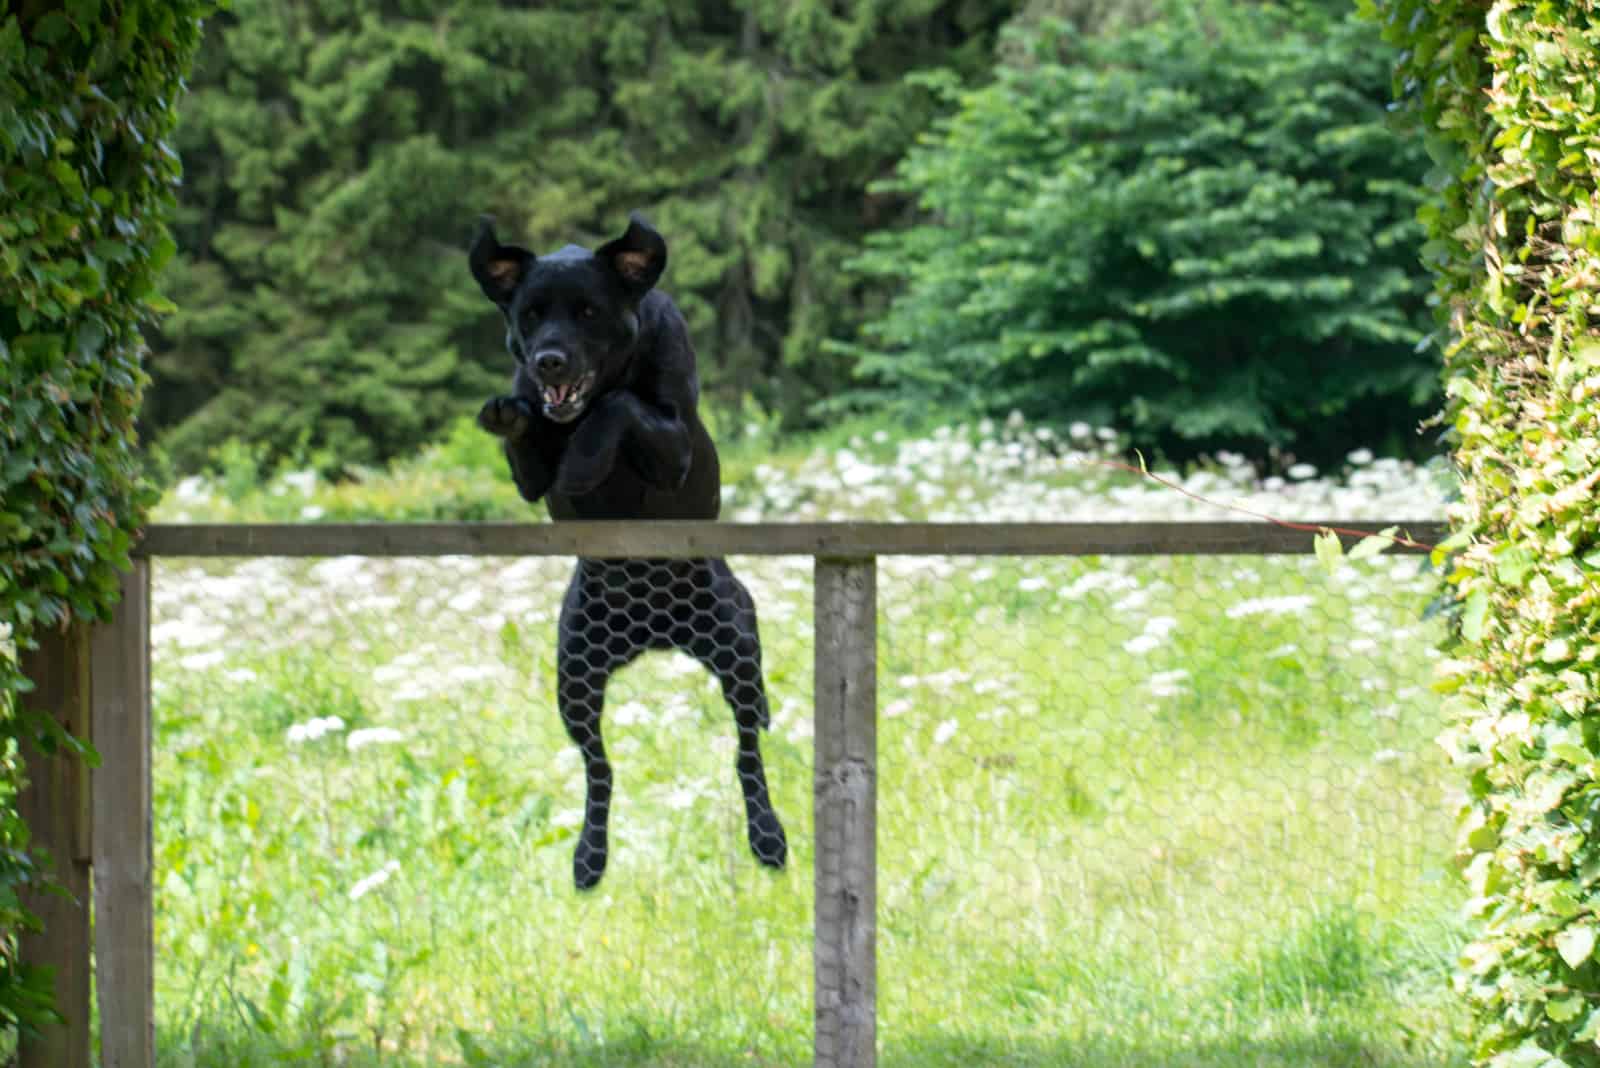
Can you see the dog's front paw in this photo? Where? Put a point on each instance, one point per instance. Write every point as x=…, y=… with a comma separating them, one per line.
x=506, y=417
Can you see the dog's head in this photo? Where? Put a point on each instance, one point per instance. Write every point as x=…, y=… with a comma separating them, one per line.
x=571, y=316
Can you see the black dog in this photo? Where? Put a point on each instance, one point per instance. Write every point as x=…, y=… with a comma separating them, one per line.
x=602, y=422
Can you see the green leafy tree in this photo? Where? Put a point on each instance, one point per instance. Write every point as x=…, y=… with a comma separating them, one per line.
x=1200, y=229
x=341, y=151
x=87, y=97
x=1507, y=98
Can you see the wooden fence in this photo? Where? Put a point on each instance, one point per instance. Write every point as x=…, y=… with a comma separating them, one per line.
x=96, y=682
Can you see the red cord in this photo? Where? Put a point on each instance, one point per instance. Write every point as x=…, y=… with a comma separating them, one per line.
x=1396, y=539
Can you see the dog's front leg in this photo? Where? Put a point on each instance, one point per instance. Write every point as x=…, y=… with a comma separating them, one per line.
x=651, y=430
x=530, y=470
x=512, y=420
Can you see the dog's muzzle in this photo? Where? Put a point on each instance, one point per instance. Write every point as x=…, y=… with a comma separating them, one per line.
x=565, y=402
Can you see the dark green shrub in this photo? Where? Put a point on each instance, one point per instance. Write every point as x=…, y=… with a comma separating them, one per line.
x=1200, y=230
x=1515, y=245
x=87, y=95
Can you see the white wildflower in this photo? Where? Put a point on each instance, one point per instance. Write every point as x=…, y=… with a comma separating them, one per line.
x=1133, y=602
x=1301, y=472
x=314, y=728
x=186, y=633
x=680, y=665
x=628, y=713
x=473, y=672
x=365, y=886
x=201, y=661
x=1110, y=581
x=681, y=796
x=1360, y=457
x=1272, y=606
x=192, y=488
x=1160, y=626
x=465, y=601
x=302, y=482
x=1142, y=644
x=365, y=736
x=858, y=474
x=944, y=732
x=1167, y=683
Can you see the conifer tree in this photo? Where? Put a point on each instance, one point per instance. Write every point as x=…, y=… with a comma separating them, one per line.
x=338, y=154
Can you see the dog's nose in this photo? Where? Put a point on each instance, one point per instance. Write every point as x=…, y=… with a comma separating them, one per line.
x=550, y=361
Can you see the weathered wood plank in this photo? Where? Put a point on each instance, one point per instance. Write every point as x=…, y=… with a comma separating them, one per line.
x=123, y=932
x=55, y=806
x=845, y=808
x=678, y=539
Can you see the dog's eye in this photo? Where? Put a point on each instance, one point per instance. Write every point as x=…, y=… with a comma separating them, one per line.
x=586, y=311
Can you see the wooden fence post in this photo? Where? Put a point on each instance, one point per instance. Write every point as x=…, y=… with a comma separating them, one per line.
x=55, y=805
x=123, y=932
x=846, y=813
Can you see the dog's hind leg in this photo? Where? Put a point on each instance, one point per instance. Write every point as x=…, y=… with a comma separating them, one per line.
x=726, y=641
x=589, y=649
x=581, y=697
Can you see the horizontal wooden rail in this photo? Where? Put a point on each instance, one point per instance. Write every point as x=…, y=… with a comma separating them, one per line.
x=710, y=538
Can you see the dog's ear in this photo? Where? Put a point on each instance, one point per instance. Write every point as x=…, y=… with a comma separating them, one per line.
x=637, y=258
x=498, y=268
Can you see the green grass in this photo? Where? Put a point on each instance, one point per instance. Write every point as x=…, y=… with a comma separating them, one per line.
x=1084, y=858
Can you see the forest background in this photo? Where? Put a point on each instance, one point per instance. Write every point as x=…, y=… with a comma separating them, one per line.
x=1194, y=222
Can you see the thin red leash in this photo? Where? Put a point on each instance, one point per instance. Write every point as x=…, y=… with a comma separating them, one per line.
x=1309, y=528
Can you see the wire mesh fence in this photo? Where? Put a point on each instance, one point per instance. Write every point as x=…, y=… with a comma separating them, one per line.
x=1162, y=810
x=1133, y=810
x=368, y=809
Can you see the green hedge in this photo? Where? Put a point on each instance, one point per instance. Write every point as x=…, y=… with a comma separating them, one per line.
x=1514, y=242
x=87, y=95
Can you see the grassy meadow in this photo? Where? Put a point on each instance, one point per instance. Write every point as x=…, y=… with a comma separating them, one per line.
x=1180, y=811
